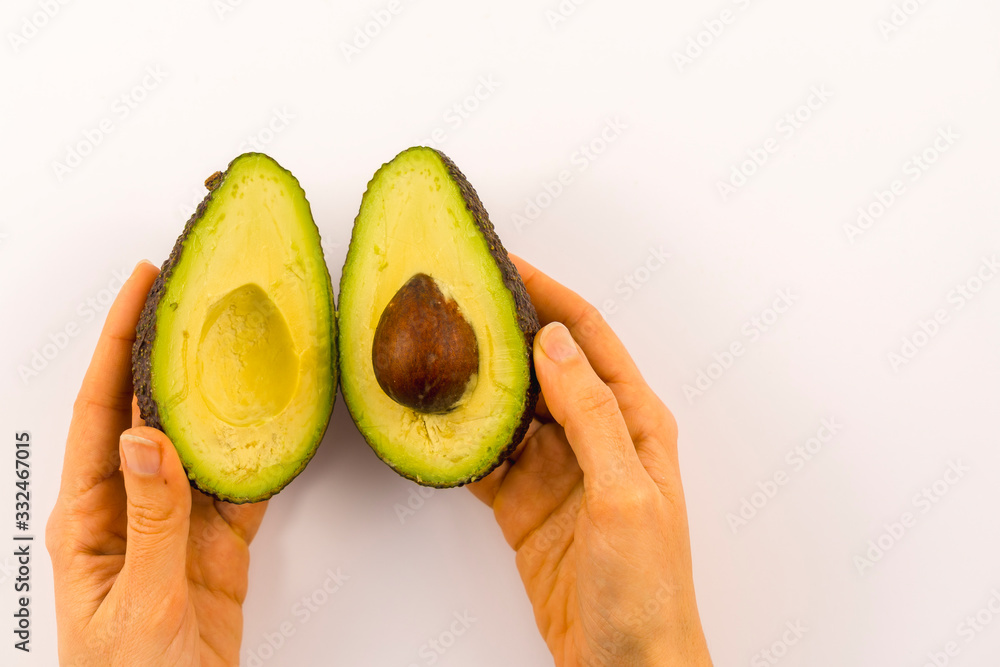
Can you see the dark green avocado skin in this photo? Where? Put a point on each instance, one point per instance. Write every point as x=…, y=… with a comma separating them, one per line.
x=527, y=319
x=145, y=331
x=145, y=335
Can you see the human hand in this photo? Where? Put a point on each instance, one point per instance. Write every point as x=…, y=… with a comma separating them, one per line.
x=592, y=501
x=148, y=571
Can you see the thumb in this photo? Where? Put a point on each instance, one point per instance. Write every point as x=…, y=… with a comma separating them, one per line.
x=585, y=407
x=159, y=512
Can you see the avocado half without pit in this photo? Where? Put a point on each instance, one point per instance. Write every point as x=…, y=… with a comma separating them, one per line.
x=435, y=326
x=235, y=356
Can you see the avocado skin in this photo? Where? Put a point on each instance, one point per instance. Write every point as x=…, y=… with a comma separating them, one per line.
x=145, y=334
x=527, y=318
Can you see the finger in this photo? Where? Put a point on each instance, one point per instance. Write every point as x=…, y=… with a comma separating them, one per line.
x=585, y=407
x=103, y=408
x=245, y=520
x=556, y=303
x=524, y=493
x=159, y=514
x=486, y=488
x=532, y=427
x=542, y=413
x=537, y=486
x=648, y=426
x=136, y=417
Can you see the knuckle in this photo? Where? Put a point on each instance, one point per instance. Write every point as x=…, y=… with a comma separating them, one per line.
x=668, y=422
x=171, y=605
x=589, y=321
x=54, y=534
x=656, y=423
x=83, y=405
x=147, y=519
x=641, y=504
x=673, y=496
x=597, y=400
x=634, y=503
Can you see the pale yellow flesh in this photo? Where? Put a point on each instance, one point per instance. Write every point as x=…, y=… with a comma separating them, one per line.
x=413, y=220
x=242, y=359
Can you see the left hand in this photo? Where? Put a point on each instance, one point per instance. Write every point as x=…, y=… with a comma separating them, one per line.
x=148, y=571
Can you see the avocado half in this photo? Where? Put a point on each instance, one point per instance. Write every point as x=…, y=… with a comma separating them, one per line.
x=435, y=326
x=235, y=351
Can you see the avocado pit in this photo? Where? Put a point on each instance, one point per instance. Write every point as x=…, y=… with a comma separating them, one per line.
x=424, y=353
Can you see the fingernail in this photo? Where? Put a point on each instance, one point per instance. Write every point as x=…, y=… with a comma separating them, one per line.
x=557, y=343
x=142, y=456
x=141, y=262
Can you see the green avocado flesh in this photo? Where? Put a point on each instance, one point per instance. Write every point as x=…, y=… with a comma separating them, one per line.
x=235, y=356
x=435, y=326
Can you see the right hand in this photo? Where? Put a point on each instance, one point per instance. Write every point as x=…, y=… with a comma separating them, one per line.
x=592, y=502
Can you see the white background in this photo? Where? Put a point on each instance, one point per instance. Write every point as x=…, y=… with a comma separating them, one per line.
x=856, y=296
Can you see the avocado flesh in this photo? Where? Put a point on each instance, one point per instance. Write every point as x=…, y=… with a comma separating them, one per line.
x=235, y=356
x=421, y=216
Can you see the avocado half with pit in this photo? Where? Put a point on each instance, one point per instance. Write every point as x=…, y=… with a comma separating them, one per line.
x=235, y=356
x=435, y=327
